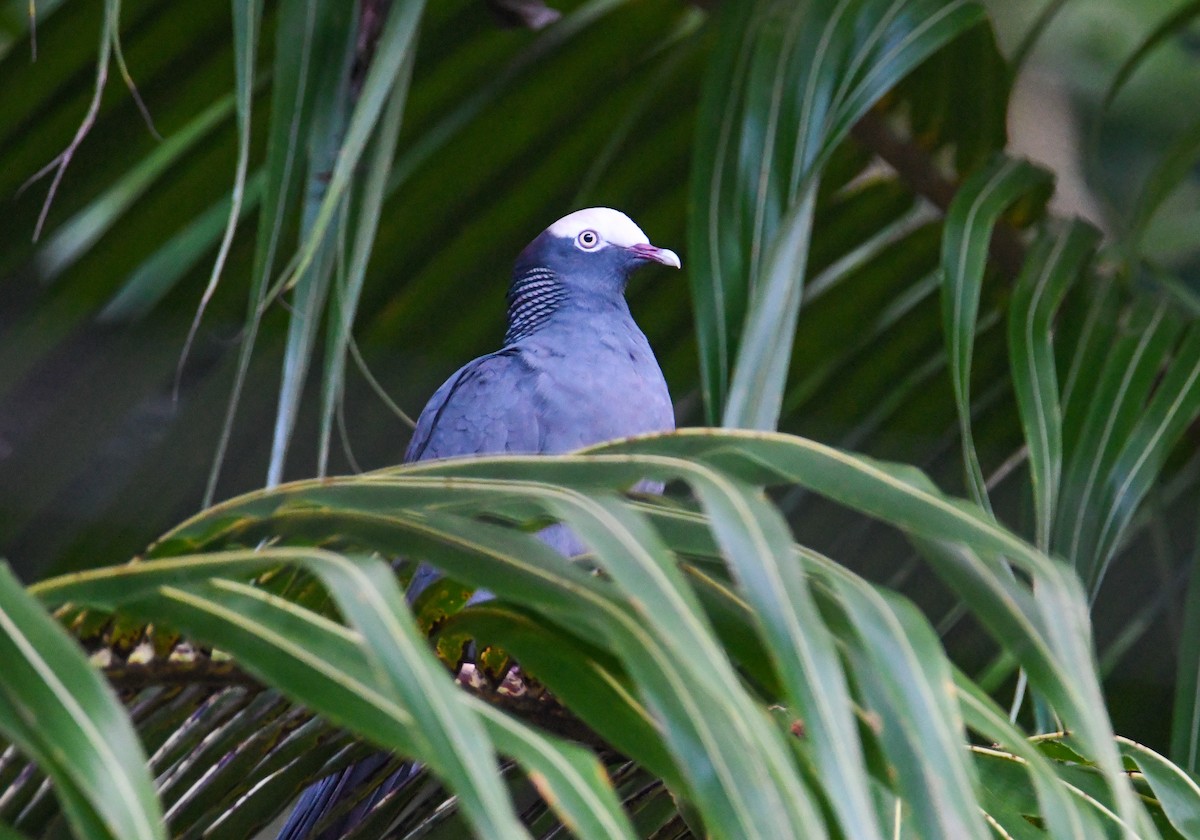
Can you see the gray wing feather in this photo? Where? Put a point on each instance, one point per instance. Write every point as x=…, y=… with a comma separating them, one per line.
x=486, y=406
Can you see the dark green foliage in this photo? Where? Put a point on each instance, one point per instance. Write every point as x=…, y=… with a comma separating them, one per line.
x=796, y=640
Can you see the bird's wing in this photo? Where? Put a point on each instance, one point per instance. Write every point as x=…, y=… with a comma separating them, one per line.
x=487, y=406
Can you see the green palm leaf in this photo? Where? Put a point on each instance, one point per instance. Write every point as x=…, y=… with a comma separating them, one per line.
x=708, y=668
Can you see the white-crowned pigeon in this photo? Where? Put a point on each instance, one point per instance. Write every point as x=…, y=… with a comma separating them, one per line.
x=574, y=370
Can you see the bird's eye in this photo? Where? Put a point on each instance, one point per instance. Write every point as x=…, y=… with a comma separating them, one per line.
x=588, y=240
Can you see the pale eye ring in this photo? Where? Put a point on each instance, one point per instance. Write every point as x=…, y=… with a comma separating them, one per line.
x=588, y=240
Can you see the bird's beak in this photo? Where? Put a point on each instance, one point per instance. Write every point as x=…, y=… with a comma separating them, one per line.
x=659, y=255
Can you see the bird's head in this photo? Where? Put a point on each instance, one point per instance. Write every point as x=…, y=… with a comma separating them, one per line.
x=584, y=258
x=593, y=246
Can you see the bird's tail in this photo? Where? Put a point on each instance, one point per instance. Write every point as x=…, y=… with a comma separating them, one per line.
x=321, y=798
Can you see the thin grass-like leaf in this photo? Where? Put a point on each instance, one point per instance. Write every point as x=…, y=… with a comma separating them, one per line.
x=1090, y=347
x=903, y=675
x=1170, y=26
x=79, y=233
x=337, y=680
x=367, y=206
x=1126, y=434
x=1110, y=400
x=446, y=736
x=469, y=107
x=247, y=26
x=291, y=114
x=756, y=390
x=1169, y=174
x=757, y=543
x=155, y=573
x=1062, y=813
x=568, y=777
x=1185, y=712
x=1174, y=405
x=108, y=37
x=59, y=709
x=718, y=283
x=969, y=222
x=332, y=62
x=258, y=806
x=803, y=75
x=749, y=788
x=1049, y=269
x=1176, y=791
x=896, y=679
x=387, y=70
x=225, y=755
x=906, y=499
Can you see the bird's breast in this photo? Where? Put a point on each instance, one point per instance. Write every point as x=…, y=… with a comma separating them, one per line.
x=599, y=385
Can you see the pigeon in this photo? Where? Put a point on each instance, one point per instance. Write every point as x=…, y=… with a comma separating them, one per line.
x=575, y=370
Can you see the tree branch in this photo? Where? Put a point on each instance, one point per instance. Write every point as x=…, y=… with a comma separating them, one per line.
x=917, y=169
x=514, y=695
x=200, y=671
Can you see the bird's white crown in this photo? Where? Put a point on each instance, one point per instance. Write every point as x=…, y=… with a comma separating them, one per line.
x=613, y=226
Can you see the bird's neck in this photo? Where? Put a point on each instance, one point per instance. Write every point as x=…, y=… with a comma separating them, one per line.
x=538, y=297
x=533, y=298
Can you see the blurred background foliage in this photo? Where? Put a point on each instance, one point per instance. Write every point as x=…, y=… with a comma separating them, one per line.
x=1115, y=68
x=113, y=426
x=96, y=312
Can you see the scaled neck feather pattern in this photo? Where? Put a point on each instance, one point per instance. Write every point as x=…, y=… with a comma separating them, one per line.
x=533, y=297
